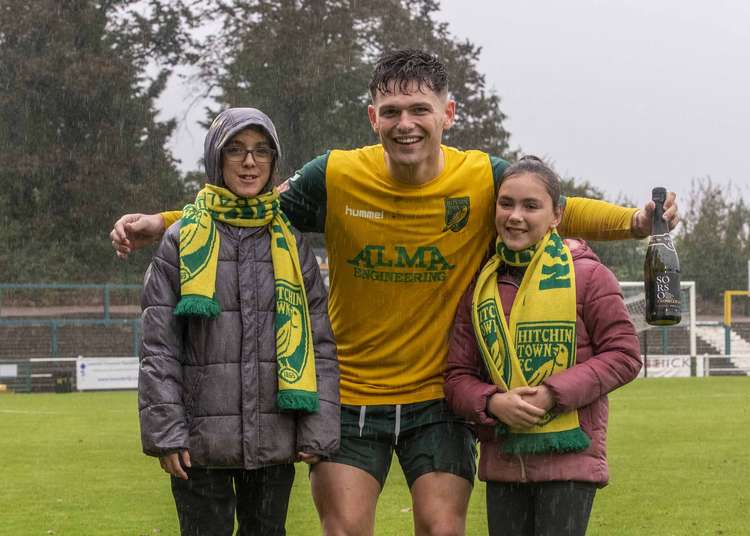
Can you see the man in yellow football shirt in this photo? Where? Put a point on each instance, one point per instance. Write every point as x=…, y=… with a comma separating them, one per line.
x=407, y=223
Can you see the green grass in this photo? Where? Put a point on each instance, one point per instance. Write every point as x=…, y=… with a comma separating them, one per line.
x=679, y=458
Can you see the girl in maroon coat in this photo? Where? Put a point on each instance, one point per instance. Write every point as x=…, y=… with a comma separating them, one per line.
x=536, y=379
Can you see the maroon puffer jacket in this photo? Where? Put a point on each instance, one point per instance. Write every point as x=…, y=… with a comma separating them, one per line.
x=608, y=356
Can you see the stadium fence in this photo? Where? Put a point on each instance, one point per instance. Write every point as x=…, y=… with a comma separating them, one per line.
x=45, y=329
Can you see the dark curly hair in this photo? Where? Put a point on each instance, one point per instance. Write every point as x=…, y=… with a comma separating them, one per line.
x=396, y=70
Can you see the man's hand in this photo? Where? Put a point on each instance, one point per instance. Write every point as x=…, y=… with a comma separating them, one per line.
x=283, y=187
x=309, y=459
x=173, y=463
x=641, y=225
x=134, y=231
x=513, y=410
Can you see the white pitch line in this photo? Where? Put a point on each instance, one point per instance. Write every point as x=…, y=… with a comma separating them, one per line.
x=27, y=412
x=30, y=412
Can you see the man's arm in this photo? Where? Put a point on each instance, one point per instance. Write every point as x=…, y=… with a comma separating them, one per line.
x=303, y=200
x=133, y=231
x=596, y=220
x=599, y=220
x=498, y=168
x=303, y=196
x=170, y=217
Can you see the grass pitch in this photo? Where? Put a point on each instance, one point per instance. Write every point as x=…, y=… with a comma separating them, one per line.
x=679, y=452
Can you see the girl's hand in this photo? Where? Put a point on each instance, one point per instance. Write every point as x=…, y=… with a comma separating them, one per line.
x=542, y=398
x=513, y=410
x=309, y=459
x=173, y=463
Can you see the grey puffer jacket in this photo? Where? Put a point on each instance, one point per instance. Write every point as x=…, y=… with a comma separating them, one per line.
x=210, y=385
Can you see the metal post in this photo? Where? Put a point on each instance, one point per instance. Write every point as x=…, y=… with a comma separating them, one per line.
x=700, y=366
x=106, y=301
x=727, y=340
x=53, y=338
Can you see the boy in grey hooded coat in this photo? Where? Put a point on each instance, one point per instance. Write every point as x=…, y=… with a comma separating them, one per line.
x=208, y=387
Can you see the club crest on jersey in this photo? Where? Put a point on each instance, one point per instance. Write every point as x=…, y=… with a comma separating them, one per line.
x=291, y=331
x=456, y=213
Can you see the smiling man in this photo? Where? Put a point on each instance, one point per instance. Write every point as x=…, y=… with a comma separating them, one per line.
x=407, y=224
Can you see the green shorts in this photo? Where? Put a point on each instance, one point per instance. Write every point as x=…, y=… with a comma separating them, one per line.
x=426, y=436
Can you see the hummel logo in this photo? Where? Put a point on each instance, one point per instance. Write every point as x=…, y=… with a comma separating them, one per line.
x=360, y=213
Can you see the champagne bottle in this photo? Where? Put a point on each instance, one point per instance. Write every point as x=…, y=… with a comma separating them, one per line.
x=661, y=271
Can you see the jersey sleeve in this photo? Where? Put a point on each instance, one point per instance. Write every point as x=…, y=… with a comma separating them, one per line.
x=304, y=201
x=596, y=220
x=170, y=217
x=498, y=168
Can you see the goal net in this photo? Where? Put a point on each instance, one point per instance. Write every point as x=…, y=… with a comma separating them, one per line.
x=668, y=351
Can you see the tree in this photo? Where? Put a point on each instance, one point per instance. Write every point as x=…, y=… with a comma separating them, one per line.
x=301, y=62
x=307, y=63
x=79, y=142
x=713, y=242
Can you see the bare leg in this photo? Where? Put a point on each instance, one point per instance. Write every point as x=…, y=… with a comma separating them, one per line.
x=345, y=497
x=441, y=502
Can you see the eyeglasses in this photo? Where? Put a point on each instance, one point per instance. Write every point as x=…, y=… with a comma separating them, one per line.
x=261, y=155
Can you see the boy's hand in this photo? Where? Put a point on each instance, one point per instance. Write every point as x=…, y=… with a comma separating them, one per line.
x=309, y=459
x=173, y=463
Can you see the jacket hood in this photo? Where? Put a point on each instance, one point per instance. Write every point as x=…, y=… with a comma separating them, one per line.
x=227, y=124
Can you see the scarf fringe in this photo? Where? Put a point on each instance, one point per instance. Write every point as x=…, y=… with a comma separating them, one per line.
x=195, y=305
x=574, y=440
x=296, y=400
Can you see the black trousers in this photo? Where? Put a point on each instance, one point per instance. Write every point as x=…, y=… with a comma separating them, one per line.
x=207, y=501
x=539, y=508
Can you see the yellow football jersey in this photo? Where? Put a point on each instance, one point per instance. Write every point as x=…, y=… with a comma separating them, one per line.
x=400, y=257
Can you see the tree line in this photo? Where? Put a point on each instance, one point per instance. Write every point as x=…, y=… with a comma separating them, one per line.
x=80, y=143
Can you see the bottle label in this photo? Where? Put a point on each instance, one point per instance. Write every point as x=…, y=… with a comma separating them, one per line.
x=662, y=240
x=667, y=291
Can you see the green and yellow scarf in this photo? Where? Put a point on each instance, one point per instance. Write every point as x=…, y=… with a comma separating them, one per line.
x=540, y=340
x=199, y=253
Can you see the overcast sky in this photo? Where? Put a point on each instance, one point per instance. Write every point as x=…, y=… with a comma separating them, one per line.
x=626, y=94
